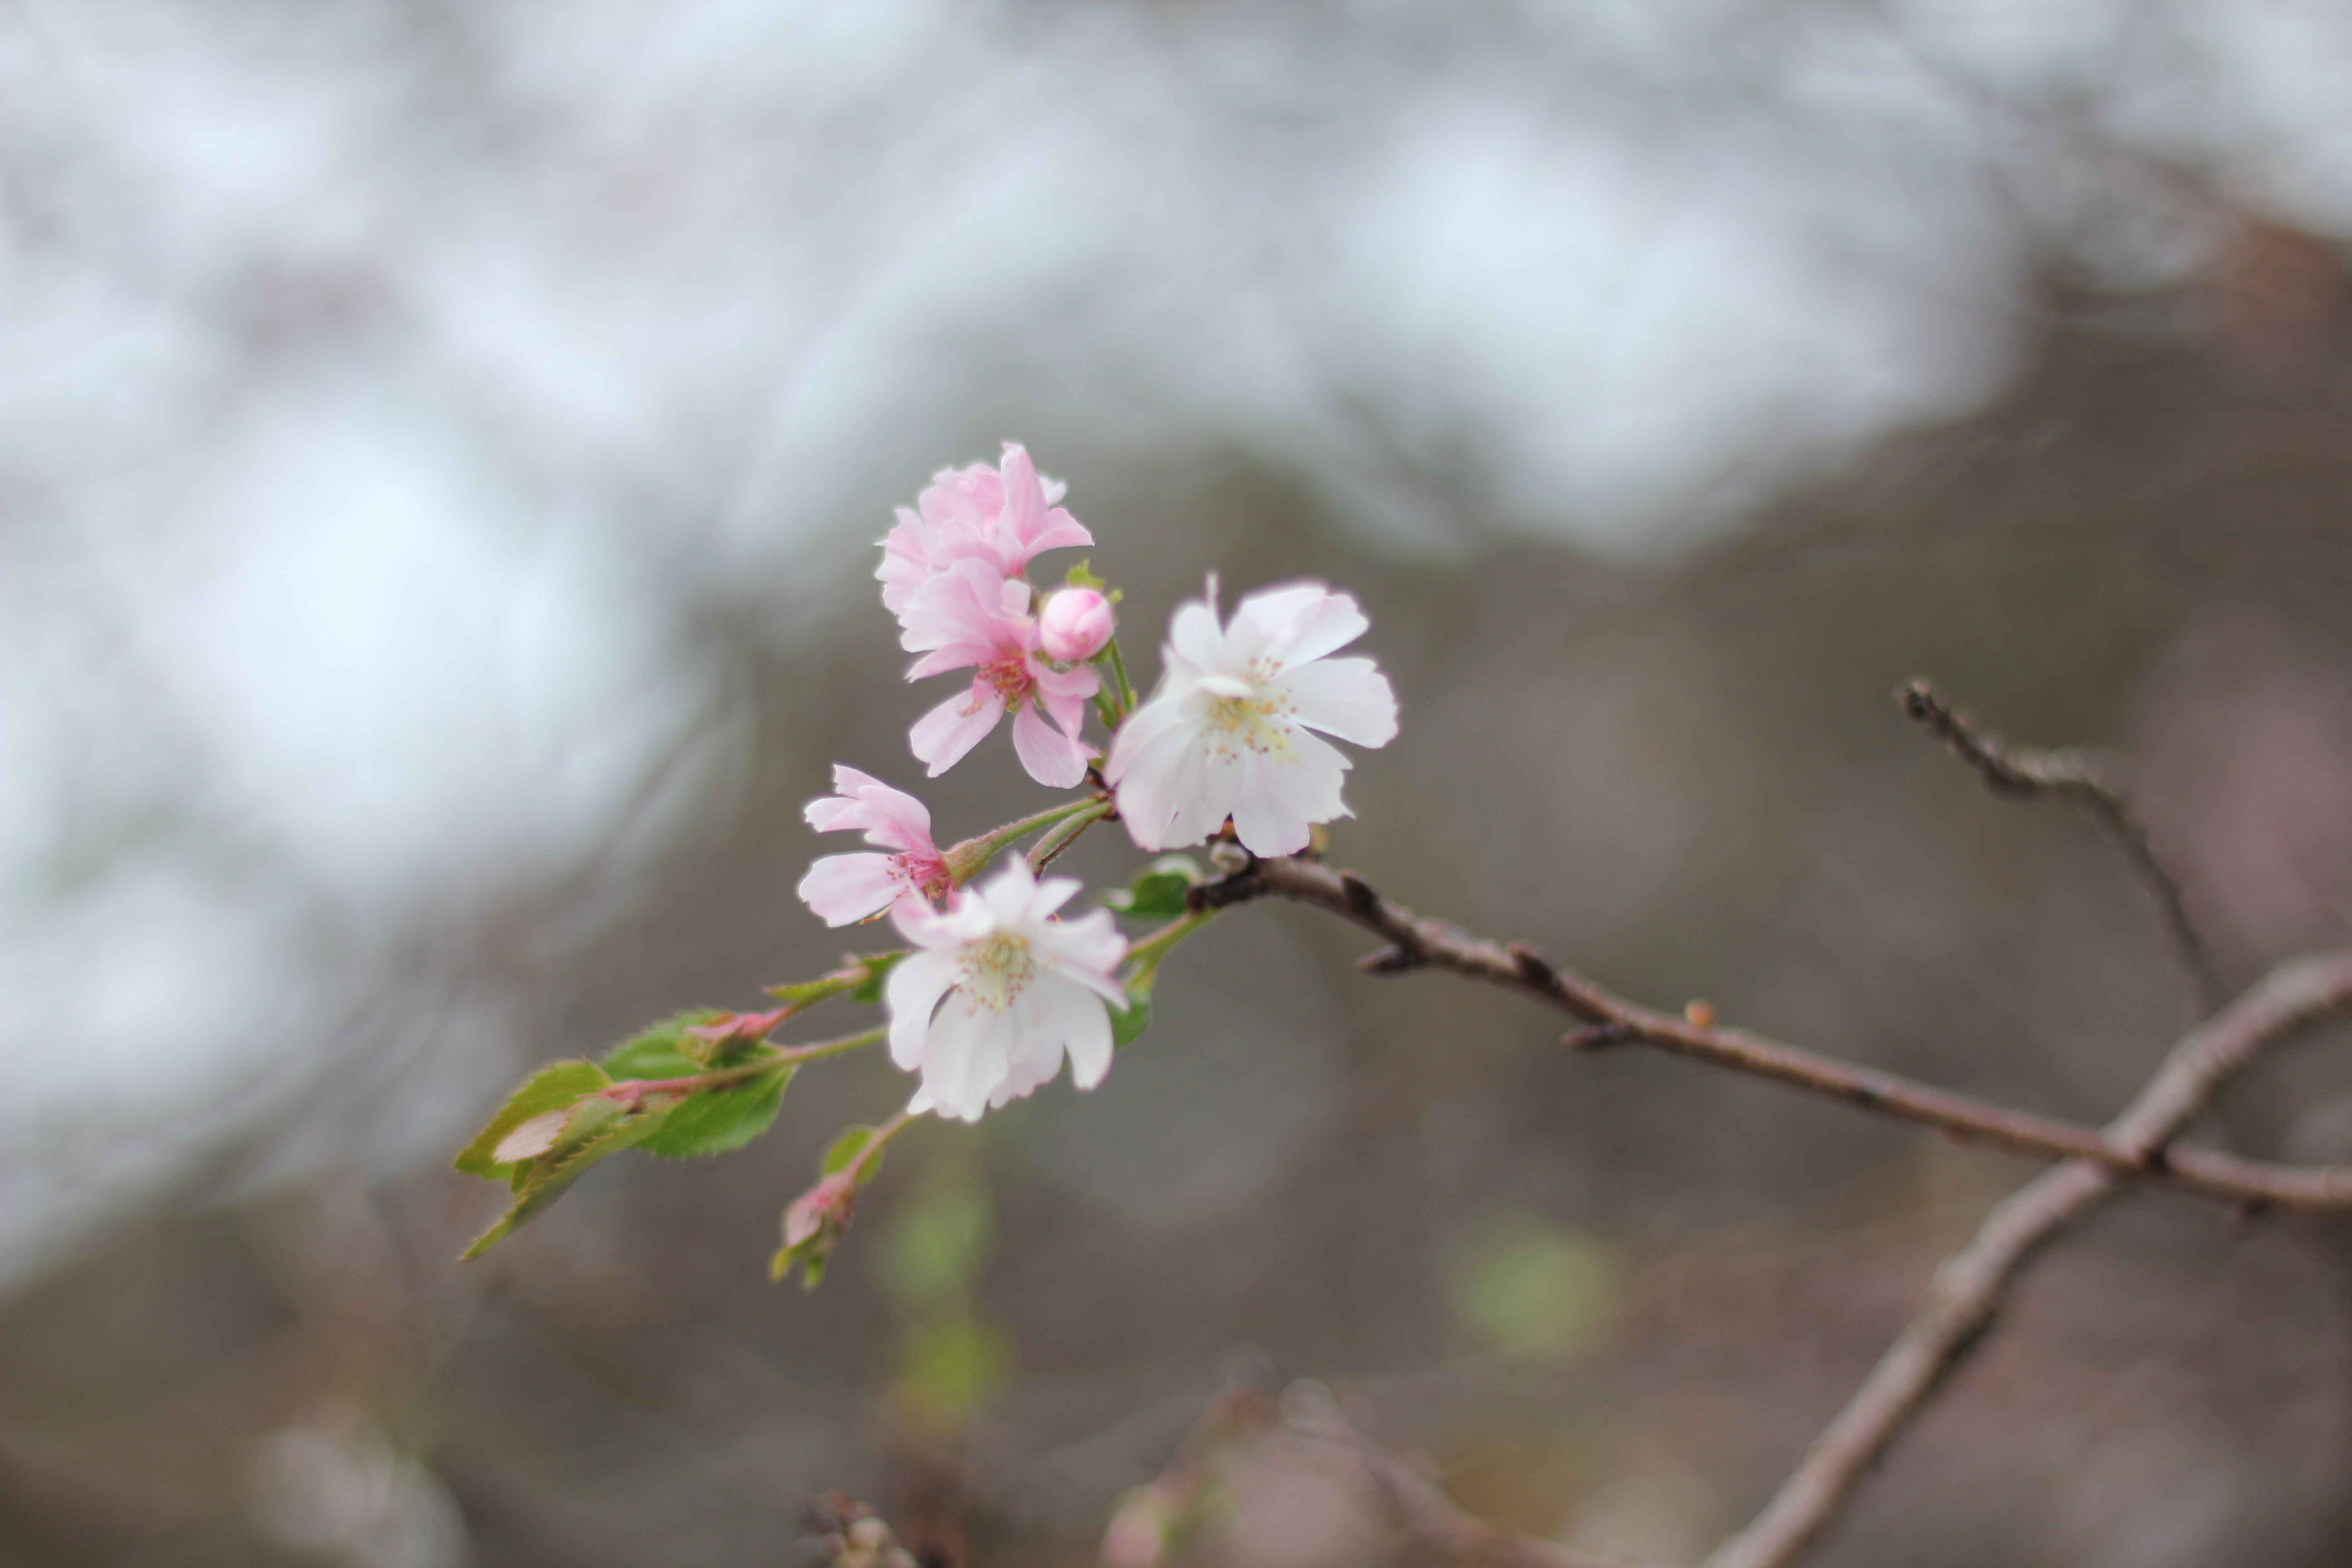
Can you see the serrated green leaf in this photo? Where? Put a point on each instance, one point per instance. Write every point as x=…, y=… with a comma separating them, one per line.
x=878, y=966
x=547, y=1178
x=1155, y=892
x=719, y=1120
x=589, y=1119
x=659, y=1050
x=1080, y=577
x=556, y=1087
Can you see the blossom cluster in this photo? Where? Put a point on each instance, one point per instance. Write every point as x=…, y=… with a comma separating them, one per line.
x=998, y=988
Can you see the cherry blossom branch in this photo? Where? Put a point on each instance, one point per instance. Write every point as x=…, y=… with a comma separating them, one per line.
x=2088, y=781
x=1967, y=1288
x=1610, y=1020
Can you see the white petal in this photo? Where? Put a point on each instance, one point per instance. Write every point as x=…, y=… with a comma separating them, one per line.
x=1006, y=895
x=1193, y=637
x=846, y=888
x=1155, y=720
x=1262, y=824
x=1086, y=950
x=1349, y=697
x=1330, y=625
x=948, y=1058
x=1086, y=1035
x=912, y=991
x=1310, y=786
x=1208, y=787
x=1270, y=622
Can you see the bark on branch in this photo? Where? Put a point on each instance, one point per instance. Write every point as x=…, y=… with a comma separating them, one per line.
x=1609, y=1019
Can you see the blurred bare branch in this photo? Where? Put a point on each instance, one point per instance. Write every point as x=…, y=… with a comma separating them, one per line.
x=1611, y=1019
x=1967, y=1286
x=2089, y=781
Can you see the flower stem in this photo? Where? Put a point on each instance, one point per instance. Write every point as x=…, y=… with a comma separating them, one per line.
x=630, y=1091
x=1054, y=843
x=1154, y=948
x=1126, y=692
x=970, y=858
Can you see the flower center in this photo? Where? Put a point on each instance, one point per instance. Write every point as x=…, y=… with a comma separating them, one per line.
x=928, y=877
x=1243, y=716
x=1010, y=678
x=994, y=971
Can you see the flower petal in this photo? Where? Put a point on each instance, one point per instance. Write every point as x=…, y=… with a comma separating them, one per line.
x=1085, y=1032
x=1052, y=759
x=941, y=737
x=846, y=888
x=912, y=992
x=1349, y=697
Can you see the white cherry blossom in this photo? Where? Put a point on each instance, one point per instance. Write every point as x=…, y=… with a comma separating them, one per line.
x=1231, y=729
x=999, y=991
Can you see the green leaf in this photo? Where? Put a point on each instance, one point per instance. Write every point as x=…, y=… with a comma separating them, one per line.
x=1127, y=1026
x=878, y=966
x=1080, y=577
x=543, y=1179
x=719, y=1120
x=556, y=1087
x=1155, y=892
x=812, y=1264
x=843, y=1152
x=660, y=1050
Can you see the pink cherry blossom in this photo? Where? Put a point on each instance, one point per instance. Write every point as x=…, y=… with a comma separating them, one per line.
x=1074, y=626
x=1001, y=517
x=1228, y=731
x=843, y=889
x=999, y=990
x=966, y=618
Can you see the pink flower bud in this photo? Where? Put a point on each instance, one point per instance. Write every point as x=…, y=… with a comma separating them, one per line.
x=1075, y=627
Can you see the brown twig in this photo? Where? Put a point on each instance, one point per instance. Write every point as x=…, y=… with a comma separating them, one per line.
x=1610, y=1019
x=1967, y=1288
x=2089, y=781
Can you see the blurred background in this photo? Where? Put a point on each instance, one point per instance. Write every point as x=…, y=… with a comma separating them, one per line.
x=441, y=446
